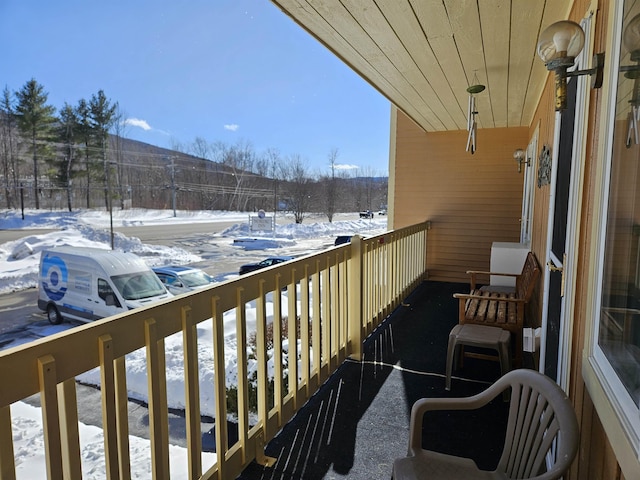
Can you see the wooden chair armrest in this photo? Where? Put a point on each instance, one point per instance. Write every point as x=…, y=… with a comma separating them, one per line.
x=473, y=273
x=502, y=274
x=470, y=296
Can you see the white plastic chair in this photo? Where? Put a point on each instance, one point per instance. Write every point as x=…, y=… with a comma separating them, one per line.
x=539, y=414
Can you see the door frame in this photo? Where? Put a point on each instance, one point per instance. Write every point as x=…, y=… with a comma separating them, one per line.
x=574, y=215
x=528, y=188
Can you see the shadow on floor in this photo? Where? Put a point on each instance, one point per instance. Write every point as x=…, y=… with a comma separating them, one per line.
x=358, y=422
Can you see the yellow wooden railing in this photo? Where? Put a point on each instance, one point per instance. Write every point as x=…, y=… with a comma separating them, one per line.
x=339, y=296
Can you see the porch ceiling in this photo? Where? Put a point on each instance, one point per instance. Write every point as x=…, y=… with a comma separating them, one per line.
x=423, y=54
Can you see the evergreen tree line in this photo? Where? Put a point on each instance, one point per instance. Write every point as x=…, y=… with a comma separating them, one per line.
x=78, y=157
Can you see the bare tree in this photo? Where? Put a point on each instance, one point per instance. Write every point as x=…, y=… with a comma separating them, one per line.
x=119, y=132
x=8, y=145
x=178, y=146
x=201, y=148
x=272, y=157
x=330, y=187
x=240, y=161
x=296, y=175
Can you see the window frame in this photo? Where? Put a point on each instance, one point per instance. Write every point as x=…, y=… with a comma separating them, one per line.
x=619, y=415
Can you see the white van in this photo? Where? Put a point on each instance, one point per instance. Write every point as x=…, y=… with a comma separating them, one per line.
x=86, y=284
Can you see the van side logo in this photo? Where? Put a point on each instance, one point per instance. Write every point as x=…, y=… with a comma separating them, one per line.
x=54, y=277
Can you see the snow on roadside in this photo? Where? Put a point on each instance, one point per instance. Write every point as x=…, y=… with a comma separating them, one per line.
x=30, y=462
x=18, y=270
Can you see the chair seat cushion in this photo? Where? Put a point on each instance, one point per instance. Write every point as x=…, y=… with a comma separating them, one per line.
x=430, y=465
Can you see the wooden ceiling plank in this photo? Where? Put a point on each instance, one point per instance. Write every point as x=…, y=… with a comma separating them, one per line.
x=523, y=60
x=465, y=26
x=340, y=34
x=423, y=54
x=434, y=22
x=494, y=22
x=372, y=21
x=403, y=20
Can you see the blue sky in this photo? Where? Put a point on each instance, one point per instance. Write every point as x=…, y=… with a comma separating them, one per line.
x=224, y=70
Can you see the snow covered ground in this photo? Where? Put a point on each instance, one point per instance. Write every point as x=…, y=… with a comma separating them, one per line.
x=18, y=270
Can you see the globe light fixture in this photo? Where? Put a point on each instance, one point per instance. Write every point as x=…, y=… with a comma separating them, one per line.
x=558, y=47
x=631, y=41
x=520, y=158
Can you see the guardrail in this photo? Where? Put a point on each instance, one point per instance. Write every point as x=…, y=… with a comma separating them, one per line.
x=335, y=298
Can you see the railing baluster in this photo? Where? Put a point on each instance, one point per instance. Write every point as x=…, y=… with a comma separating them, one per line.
x=292, y=334
x=220, y=391
x=326, y=321
x=69, y=434
x=107, y=387
x=50, y=416
x=277, y=349
x=7, y=461
x=192, y=393
x=261, y=353
x=241, y=367
x=305, y=359
x=122, y=418
x=316, y=324
x=158, y=411
x=355, y=307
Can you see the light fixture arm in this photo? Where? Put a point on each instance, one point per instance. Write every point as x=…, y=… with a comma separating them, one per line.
x=596, y=71
x=560, y=65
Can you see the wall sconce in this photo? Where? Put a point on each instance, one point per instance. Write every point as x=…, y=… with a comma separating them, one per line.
x=559, y=45
x=521, y=158
x=631, y=41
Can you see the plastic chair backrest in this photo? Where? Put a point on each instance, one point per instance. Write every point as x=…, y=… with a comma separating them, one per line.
x=539, y=415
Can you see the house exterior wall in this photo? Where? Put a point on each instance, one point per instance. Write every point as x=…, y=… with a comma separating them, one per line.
x=433, y=178
x=471, y=200
x=596, y=458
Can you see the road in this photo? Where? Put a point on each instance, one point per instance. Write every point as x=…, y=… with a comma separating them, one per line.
x=219, y=258
x=18, y=310
x=21, y=321
x=158, y=234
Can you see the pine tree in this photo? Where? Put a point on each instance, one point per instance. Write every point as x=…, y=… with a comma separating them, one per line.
x=85, y=133
x=68, y=132
x=102, y=114
x=35, y=121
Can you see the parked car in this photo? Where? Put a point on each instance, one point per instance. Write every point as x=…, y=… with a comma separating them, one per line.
x=267, y=262
x=340, y=239
x=366, y=214
x=180, y=279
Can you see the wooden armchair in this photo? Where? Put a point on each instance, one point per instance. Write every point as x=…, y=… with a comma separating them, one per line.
x=501, y=307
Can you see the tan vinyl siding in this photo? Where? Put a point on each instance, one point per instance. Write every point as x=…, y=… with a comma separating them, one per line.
x=433, y=178
x=471, y=200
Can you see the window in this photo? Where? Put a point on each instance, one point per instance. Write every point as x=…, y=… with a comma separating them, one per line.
x=105, y=292
x=615, y=349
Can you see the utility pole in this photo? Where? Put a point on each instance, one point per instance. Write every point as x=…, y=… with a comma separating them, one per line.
x=173, y=185
x=107, y=172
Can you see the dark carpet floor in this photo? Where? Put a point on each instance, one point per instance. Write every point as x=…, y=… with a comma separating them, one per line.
x=358, y=422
